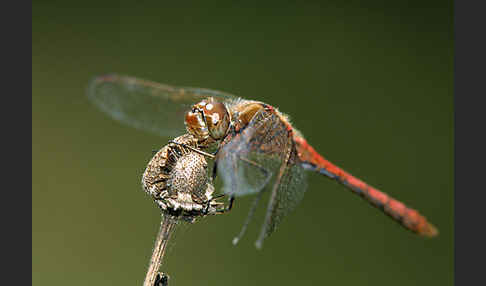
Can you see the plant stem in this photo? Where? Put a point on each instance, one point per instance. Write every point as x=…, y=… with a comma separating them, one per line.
x=167, y=225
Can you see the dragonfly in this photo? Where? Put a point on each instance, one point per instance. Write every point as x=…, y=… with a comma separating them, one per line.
x=256, y=148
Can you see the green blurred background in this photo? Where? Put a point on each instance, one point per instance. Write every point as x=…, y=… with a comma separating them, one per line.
x=370, y=84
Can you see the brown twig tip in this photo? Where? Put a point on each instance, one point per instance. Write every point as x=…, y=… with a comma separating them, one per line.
x=162, y=279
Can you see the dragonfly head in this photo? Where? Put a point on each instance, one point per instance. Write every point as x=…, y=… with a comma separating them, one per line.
x=208, y=118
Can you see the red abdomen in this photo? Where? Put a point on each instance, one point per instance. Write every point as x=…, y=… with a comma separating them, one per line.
x=407, y=217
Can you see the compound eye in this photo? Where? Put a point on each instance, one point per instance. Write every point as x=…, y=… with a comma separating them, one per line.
x=217, y=118
x=196, y=125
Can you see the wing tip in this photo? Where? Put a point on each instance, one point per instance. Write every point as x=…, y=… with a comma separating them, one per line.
x=99, y=79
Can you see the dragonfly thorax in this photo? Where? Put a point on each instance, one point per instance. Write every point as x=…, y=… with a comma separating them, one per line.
x=208, y=119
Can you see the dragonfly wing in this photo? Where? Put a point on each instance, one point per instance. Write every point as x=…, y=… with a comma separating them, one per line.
x=248, y=160
x=263, y=155
x=290, y=192
x=147, y=105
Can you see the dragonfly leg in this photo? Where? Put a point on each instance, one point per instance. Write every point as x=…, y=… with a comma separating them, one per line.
x=267, y=174
x=222, y=210
x=254, y=205
x=209, y=155
x=227, y=208
x=215, y=170
x=219, y=196
x=231, y=202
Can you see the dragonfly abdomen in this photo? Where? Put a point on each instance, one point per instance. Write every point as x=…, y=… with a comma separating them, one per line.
x=407, y=217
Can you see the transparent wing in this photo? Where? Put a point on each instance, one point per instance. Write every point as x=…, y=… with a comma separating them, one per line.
x=263, y=155
x=290, y=192
x=147, y=105
x=248, y=161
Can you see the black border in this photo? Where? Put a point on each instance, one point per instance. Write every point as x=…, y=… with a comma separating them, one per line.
x=16, y=206
x=469, y=145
